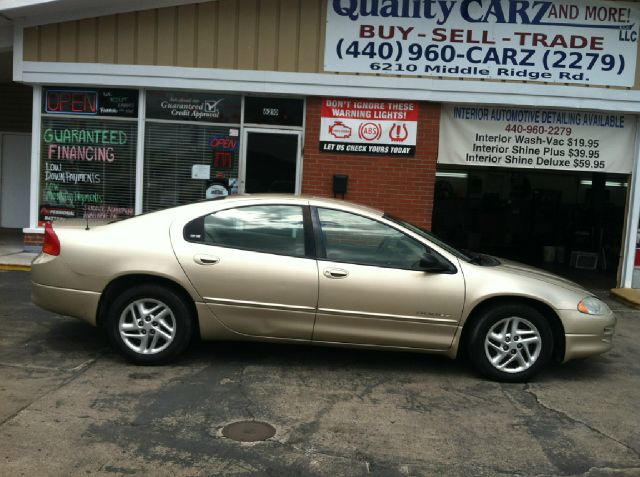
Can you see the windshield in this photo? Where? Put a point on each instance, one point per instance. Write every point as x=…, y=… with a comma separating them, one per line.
x=432, y=238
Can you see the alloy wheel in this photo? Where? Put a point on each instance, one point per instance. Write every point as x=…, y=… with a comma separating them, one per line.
x=513, y=345
x=147, y=326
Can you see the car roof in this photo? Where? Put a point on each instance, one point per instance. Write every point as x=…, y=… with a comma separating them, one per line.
x=312, y=200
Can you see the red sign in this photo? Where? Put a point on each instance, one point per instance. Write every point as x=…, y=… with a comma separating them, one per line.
x=368, y=126
x=75, y=102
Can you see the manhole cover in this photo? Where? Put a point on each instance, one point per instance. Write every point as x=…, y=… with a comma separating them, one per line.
x=248, y=431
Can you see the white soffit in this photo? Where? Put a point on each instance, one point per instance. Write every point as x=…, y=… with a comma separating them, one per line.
x=318, y=84
x=43, y=12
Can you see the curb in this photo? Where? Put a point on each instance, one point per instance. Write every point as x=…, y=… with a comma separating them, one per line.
x=15, y=267
x=627, y=296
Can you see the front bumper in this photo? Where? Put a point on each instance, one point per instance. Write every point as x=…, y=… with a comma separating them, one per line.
x=586, y=335
x=64, y=301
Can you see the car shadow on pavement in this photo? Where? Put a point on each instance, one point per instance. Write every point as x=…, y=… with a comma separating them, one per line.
x=315, y=357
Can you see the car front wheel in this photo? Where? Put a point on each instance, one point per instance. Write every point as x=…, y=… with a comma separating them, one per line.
x=150, y=324
x=510, y=342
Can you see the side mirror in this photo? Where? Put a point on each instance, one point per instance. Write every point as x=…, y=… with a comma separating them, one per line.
x=434, y=263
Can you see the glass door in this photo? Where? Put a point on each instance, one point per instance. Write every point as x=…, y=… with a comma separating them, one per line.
x=270, y=161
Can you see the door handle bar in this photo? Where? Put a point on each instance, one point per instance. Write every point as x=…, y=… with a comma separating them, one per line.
x=206, y=259
x=335, y=273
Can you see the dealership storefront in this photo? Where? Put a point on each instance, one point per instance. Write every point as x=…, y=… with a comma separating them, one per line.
x=509, y=130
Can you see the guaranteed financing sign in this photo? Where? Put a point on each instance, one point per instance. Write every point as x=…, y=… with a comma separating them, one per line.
x=572, y=41
x=537, y=139
x=368, y=126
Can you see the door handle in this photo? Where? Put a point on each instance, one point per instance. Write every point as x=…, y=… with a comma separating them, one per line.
x=205, y=259
x=335, y=273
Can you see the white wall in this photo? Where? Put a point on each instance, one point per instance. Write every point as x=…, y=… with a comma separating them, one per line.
x=15, y=164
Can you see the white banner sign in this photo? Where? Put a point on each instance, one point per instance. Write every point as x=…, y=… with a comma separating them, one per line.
x=573, y=41
x=537, y=139
x=363, y=126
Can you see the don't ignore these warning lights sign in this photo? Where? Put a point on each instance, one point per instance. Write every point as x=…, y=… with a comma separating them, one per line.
x=368, y=126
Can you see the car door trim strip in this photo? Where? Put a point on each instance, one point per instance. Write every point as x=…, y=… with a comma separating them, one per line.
x=258, y=304
x=364, y=314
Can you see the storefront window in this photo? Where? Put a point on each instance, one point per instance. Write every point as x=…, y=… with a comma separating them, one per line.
x=192, y=143
x=88, y=154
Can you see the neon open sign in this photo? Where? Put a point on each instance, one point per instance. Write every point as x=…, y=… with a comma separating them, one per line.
x=71, y=102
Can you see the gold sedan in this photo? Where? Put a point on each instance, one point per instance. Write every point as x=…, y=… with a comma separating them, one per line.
x=308, y=270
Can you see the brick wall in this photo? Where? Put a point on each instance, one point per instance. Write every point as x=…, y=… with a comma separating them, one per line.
x=401, y=186
x=33, y=240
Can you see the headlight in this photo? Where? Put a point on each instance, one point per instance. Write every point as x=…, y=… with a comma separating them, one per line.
x=592, y=306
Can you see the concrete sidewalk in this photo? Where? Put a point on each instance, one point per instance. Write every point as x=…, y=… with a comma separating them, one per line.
x=12, y=253
x=629, y=296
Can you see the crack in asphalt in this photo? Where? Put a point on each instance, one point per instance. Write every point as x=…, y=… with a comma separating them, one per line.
x=608, y=469
x=527, y=389
x=89, y=364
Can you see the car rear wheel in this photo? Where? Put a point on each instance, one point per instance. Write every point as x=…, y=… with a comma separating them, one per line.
x=150, y=324
x=510, y=342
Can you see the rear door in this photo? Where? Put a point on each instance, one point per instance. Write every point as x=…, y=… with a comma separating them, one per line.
x=371, y=290
x=254, y=268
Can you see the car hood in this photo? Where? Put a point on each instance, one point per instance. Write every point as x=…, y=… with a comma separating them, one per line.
x=542, y=275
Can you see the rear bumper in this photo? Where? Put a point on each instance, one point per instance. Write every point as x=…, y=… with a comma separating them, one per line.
x=64, y=301
x=587, y=335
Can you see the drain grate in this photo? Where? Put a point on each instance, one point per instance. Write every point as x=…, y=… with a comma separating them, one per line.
x=248, y=431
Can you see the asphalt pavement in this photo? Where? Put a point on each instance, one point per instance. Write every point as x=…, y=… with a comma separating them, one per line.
x=69, y=406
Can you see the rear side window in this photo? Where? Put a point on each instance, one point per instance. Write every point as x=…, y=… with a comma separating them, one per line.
x=277, y=229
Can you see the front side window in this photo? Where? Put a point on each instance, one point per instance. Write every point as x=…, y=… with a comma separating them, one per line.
x=277, y=229
x=352, y=238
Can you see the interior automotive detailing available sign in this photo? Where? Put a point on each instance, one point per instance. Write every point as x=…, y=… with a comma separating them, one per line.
x=573, y=41
x=537, y=139
x=368, y=126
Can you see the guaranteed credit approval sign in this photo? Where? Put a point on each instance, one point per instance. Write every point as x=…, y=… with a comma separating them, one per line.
x=571, y=41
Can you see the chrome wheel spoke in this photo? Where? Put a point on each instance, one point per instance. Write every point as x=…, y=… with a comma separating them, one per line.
x=144, y=342
x=514, y=326
x=129, y=326
x=139, y=307
x=495, y=337
x=498, y=358
x=154, y=341
x=166, y=336
x=161, y=315
x=497, y=347
x=507, y=362
x=531, y=339
x=523, y=362
x=165, y=326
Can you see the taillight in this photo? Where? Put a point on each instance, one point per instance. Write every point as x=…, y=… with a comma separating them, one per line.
x=51, y=245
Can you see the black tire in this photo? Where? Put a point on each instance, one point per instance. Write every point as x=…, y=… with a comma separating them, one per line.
x=175, y=322
x=519, y=361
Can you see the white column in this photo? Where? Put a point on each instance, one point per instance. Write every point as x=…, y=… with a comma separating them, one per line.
x=633, y=214
x=142, y=101
x=34, y=194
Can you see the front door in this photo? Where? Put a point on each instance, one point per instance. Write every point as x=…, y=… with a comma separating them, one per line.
x=372, y=291
x=271, y=161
